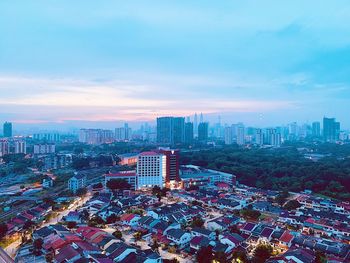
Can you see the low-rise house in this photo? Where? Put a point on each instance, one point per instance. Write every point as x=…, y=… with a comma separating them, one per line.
x=73, y=216
x=179, y=237
x=286, y=239
x=232, y=240
x=197, y=242
x=197, y=231
x=130, y=219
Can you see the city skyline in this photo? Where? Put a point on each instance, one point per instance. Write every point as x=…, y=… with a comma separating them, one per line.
x=137, y=61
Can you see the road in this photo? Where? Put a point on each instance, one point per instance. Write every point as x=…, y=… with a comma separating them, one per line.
x=14, y=246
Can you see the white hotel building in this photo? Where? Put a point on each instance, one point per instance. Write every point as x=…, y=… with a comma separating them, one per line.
x=151, y=170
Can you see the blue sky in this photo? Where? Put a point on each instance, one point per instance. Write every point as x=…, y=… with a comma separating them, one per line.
x=262, y=62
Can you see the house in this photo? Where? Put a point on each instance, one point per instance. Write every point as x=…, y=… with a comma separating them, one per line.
x=130, y=219
x=179, y=237
x=197, y=231
x=73, y=216
x=286, y=239
x=67, y=254
x=248, y=228
x=197, y=242
x=232, y=240
x=295, y=255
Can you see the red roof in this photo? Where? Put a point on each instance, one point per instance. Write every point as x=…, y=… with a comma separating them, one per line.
x=149, y=153
x=127, y=217
x=120, y=174
x=286, y=237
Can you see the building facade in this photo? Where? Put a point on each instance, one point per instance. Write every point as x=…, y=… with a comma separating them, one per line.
x=151, y=170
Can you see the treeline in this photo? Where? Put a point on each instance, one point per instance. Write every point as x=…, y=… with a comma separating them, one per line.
x=280, y=169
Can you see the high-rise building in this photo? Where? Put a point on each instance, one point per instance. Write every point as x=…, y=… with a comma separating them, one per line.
x=259, y=137
x=189, y=132
x=4, y=147
x=273, y=137
x=7, y=129
x=170, y=130
x=228, y=135
x=241, y=135
x=95, y=136
x=20, y=146
x=203, y=131
x=47, y=137
x=172, y=176
x=47, y=148
x=151, y=170
x=331, y=129
x=195, y=125
x=316, y=129
x=123, y=133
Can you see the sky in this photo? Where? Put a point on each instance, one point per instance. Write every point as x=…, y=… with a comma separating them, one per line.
x=84, y=62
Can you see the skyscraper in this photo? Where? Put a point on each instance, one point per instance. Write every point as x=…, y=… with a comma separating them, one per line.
x=203, y=129
x=189, y=132
x=170, y=130
x=316, y=129
x=7, y=129
x=195, y=125
x=331, y=129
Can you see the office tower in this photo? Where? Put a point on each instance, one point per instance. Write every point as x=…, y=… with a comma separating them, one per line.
x=201, y=120
x=7, y=129
x=172, y=175
x=151, y=170
x=293, y=130
x=273, y=137
x=20, y=146
x=4, y=147
x=203, y=129
x=179, y=130
x=188, y=119
x=123, y=133
x=241, y=135
x=170, y=130
x=259, y=137
x=228, y=135
x=189, y=132
x=195, y=125
x=331, y=129
x=316, y=129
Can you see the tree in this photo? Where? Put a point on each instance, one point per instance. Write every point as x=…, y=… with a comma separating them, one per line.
x=112, y=219
x=292, y=205
x=221, y=257
x=3, y=230
x=320, y=257
x=38, y=245
x=281, y=198
x=118, y=234
x=155, y=245
x=240, y=256
x=250, y=214
x=197, y=222
x=81, y=191
x=205, y=254
x=71, y=224
x=261, y=253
